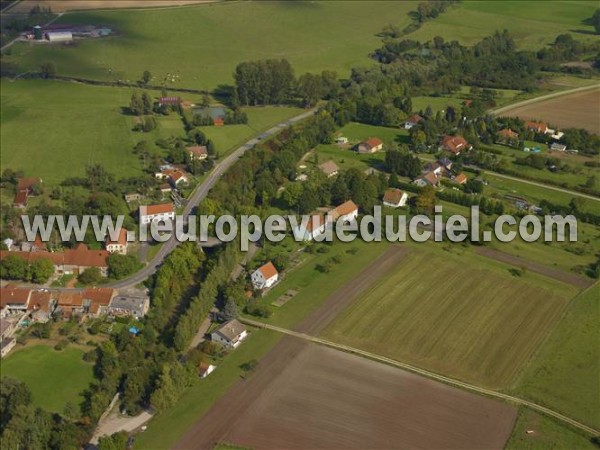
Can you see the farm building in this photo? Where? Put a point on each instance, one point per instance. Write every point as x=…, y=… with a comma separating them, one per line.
x=265, y=276
x=59, y=36
x=230, y=334
x=155, y=213
x=556, y=147
x=395, y=198
x=329, y=168
x=370, y=145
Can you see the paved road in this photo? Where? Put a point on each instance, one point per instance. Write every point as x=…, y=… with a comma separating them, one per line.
x=542, y=98
x=198, y=195
x=425, y=373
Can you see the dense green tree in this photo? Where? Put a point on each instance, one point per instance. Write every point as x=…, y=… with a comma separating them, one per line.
x=90, y=276
x=121, y=266
x=41, y=270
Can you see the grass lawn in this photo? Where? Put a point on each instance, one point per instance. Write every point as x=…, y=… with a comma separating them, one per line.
x=229, y=137
x=547, y=434
x=531, y=26
x=357, y=132
x=570, y=353
x=54, y=378
x=168, y=427
x=203, y=44
x=455, y=313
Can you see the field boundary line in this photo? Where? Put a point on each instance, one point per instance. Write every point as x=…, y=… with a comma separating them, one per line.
x=542, y=98
x=423, y=372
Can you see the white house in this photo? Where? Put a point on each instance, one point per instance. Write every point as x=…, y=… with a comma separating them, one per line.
x=154, y=213
x=230, y=334
x=346, y=212
x=118, y=246
x=315, y=226
x=412, y=121
x=198, y=152
x=341, y=140
x=395, y=198
x=265, y=276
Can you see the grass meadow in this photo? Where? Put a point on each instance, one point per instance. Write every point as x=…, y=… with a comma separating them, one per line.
x=53, y=129
x=203, y=44
x=547, y=434
x=571, y=352
x=455, y=313
x=55, y=378
x=532, y=24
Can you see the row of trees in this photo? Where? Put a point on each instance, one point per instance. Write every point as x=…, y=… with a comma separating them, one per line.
x=15, y=268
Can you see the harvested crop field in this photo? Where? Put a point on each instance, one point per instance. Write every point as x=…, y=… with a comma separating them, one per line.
x=329, y=399
x=458, y=315
x=578, y=110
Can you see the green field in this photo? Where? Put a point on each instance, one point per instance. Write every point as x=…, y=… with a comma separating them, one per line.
x=54, y=378
x=454, y=313
x=570, y=353
x=532, y=23
x=547, y=434
x=203, y=44
x=53, y=129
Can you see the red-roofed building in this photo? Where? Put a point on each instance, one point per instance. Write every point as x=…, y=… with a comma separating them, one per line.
x=371, y=145
x=154, y=213
x=218, y=122
x=395, y=198
x=461, y=178
x=14, y=298
x=198, y=152
x=412, y=121
x=20, y=200
x=41, y=306
x=265, y=276
x=537, y=127
x=118, y=246
x=507, y=137
x=454, y=144
x=346, y=212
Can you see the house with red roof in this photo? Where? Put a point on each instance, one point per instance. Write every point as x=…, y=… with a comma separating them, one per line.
x=155, y=213
x=454, y=144
x=508, y=137
x=197, y=152
x=119, y=245
x=265, y=276
x=412, y=121
x=370, y=145
x=394, y=198
x=537, y=127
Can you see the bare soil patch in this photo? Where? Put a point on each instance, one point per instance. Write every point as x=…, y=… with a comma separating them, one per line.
x=569, y=278
x=578, y=110
x=326, y=399
x=59, y=6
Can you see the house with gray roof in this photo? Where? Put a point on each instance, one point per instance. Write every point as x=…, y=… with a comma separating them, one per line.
x=230, y=334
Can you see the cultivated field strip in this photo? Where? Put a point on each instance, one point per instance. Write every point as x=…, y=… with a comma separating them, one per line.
x=426, y=373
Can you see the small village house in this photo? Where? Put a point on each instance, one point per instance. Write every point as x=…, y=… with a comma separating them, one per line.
x=41, y=306
x=230, y=334
x=454, y=144
x=370, y=145
x=25, y=189
x=412, y=121
x=205, y=369
x=97, y=300
x=346, y=212
x=394, y=198
x=197, y=152
x=169, y=101
x=341, y=140
x=155, y=213
x=129, y=305
x=537, y=127
x=173, y=175
x=461, y=178
x=507, y=137
x=265, y=276
x=428, y=179
x=14, y=299
x=329, y=168
x=119, y=245
x=315, y=226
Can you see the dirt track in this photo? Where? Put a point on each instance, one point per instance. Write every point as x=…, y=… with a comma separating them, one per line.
x=305, y=396
x=565, y=277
